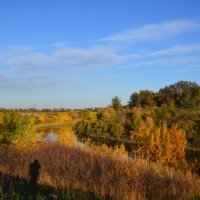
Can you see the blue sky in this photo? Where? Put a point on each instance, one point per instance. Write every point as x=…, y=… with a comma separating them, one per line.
x=81, y=53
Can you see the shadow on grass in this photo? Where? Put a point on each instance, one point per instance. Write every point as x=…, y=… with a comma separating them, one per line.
x=193, y=159
x=20, y=189
x=34, y=173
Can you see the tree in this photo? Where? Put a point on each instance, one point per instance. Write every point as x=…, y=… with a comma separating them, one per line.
x=134, y=100
x=166, y=145
x=116, y=103
x=63, y=117
x=67, y=136
x=116, y=130
x=43, y=118
x=184, y=94
x=89, y=115
x=14, y=130
x=144, y=98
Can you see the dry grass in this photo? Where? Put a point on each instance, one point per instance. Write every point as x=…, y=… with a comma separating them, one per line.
x=92, y=170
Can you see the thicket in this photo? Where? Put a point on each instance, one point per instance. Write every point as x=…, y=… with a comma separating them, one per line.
x=15, y=130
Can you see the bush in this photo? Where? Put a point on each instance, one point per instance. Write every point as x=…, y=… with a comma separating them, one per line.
x=14, y=129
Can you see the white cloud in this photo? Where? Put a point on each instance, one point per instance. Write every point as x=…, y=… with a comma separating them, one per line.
x=177, y=50
x=97, y=57
x=108, y=76
x=85, y=58
x=29, y=60
x=22, y=66
x=10, y=82
x=153, y=32
x=169, y=62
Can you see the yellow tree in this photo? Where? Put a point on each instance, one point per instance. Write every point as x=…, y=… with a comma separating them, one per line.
x=66, y=136
x=63, y=117
x=178, y=143
x=1, y=117
x=166, y=145
x=43, y=118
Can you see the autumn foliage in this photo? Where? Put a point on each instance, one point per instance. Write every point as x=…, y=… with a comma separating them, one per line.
x=165, y=145
x=95, y=170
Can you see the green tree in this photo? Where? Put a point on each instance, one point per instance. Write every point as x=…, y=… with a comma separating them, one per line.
x=134, y=100
x=184, y=94
x=144, y=98
x=116, y=130
x=116, y=103
x=14, y=129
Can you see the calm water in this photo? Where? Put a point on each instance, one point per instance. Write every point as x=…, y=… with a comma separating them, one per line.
x=51, y=134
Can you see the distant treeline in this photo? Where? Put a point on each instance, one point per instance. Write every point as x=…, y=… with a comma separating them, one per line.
x=182, y=94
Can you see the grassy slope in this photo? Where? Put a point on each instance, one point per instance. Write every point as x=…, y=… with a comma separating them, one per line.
x=92, y=170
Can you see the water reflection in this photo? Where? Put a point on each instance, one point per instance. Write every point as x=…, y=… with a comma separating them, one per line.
x=51, y=137
x=65, y=135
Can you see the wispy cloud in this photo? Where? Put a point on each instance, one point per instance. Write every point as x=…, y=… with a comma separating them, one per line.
x=177, y=50
x=8, y=82
x=153, y=32
x=108, y=76
x=189, y=69
x=169, y=62
x=21, y=67
x=64, y=56
x=58, y=64
x=84, y=58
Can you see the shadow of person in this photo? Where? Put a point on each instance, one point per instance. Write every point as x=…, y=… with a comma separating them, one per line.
x=34, y=173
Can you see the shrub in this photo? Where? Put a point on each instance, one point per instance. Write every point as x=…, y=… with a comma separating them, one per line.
x=14, y=129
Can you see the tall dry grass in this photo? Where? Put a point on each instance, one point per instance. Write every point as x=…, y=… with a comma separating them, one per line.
x=92, y=170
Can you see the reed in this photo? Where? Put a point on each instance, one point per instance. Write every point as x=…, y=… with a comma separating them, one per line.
x=92, y=170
